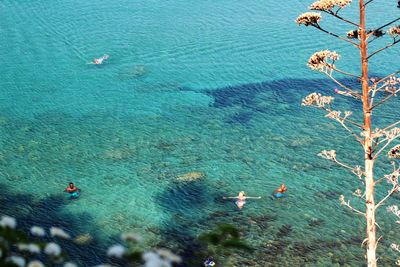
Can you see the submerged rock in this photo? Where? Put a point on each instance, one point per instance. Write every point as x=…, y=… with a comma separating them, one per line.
x=314, y=222
x=191, y=176
x=83, y=239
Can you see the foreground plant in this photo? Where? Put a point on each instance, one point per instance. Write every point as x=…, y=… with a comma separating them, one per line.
x=371, y=93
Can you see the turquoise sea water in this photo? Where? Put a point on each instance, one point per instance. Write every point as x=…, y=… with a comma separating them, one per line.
x=207, y=86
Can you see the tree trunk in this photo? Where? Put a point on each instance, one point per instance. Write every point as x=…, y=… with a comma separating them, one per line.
x=369, y=162
x=370, y=213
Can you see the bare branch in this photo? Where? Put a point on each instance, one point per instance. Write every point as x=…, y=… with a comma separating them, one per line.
x=384, y=78
x=347, y=204
x=394, y=189
x=353, y=133
x=346, y=73
x=331, y=155
x=342, y=85
x=317, y=26
x=383, y=48
x=335, y=14
x=390, y=136
x=387, y=24
x=391, y=125
x=385, y=99
x=379, y=180
x=366, y=3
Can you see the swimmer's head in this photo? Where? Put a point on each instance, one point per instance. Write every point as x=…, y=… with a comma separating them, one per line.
x=241, y=193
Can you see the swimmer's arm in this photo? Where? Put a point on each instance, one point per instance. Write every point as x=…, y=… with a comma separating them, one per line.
x=229, y=197
x=254, y=197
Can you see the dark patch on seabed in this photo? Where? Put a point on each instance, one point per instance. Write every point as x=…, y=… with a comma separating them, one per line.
x=249, y=97
x=30, y=212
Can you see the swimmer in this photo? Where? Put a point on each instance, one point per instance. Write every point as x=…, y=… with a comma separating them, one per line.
x=241, y=199
x=100, y=60
x=209, y=262
x=72, y=190
x=280, y=192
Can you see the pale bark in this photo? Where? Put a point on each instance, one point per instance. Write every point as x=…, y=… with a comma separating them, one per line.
x=369, y=162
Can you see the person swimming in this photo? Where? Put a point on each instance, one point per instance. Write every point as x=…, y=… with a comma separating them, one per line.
x=280, y=192
x=241, y=199
x=100, y=60
x=72, y=190
x=209, y=262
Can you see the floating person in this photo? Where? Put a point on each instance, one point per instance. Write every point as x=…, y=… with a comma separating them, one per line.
x=209, y=262
x=280, y=192
x=73, y=191
x=99, y=61
x=241, y=199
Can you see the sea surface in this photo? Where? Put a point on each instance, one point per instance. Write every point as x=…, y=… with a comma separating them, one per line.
x=190, y=86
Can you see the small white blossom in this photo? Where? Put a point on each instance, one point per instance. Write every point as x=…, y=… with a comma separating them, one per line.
x=17, y=260
x=7, y=221
x=37, y=231
x=168, y=255
x=316, y=99
x=52, y=249
x=152, y=259
x=35, y=263
x=70, y=264
x=116, y=251
x=58, y=232
x=32, y=248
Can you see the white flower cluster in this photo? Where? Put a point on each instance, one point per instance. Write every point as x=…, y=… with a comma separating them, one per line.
x=395, y=247
x=337, y=115
x=160, y=258
x=52, y=249
x=394, y=31
x=323, y=60
x=37, y=231
x=392, y=133
x=328, y=154
x=35, y=263
x=309, y=18
x=116, y=251
x=17, y=260
x=8, y=222
x=327, y=5
x=58, y=232
x=316, y=99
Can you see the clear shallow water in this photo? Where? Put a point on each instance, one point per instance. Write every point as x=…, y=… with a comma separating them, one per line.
x=190, y=86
